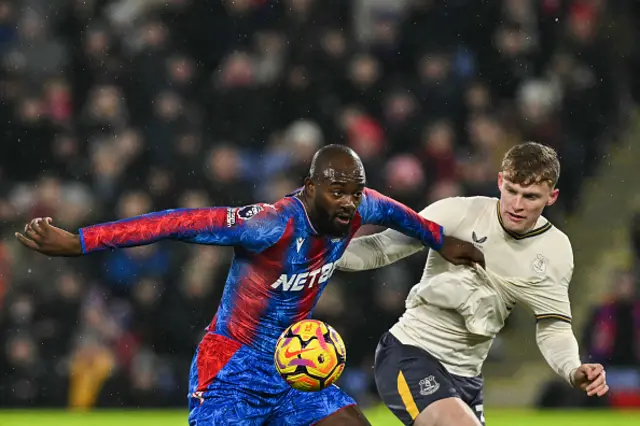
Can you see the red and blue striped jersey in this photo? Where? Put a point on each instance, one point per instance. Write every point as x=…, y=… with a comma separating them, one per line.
x=281, y=263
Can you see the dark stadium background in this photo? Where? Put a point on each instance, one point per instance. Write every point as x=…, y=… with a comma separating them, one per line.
x=112, y=108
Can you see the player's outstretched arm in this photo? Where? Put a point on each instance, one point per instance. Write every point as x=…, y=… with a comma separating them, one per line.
x=253, y=227
x=549, y=301
x=378, y=250
x=381, y=210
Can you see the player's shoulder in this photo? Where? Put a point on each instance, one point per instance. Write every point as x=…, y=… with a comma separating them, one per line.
x=370, y=194
x=255, y=212
x=267, y=221
x=372, y=202
x=555, y=240
x=369, y=191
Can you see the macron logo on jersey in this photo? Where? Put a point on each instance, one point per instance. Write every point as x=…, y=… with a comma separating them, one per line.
x=298, y=282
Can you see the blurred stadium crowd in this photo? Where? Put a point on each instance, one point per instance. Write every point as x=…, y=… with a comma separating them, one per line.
x=113, y=108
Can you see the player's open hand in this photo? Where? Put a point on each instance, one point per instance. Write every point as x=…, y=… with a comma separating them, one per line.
x=592, y=379
x=461, y=252
x=40, y=235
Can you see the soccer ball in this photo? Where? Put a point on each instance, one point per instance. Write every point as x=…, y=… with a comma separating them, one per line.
x=310, y=355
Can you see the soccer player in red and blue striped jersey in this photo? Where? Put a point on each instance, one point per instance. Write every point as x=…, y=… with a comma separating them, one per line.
x=285, y=254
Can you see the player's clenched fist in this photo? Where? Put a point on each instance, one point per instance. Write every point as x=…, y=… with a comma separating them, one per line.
x=40, y=235
x=461, y=252
x=592, y=379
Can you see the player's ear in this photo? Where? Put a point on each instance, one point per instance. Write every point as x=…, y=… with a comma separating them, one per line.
x=500, y=180
x=309, y=186
x=553, y=197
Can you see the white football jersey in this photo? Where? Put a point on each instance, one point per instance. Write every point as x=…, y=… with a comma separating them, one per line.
x=455, y=312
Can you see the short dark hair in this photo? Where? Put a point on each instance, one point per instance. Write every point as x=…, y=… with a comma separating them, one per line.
x=530, y=163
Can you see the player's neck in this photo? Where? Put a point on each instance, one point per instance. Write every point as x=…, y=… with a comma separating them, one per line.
x=311, y=212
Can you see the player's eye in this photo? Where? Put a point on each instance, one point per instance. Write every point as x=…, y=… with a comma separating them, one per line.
x=337, y=194
x=358, y=194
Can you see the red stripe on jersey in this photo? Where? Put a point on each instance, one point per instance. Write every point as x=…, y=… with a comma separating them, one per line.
x=254, y=289
x=317, y=252
x=214, y=352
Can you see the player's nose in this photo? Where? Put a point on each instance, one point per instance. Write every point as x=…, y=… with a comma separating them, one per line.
x=518, y=203
x=348, y=204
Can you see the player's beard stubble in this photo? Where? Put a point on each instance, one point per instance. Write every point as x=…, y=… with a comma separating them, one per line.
x=328, y=224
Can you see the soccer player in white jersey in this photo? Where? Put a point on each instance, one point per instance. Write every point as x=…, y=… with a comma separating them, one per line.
x=428, y=366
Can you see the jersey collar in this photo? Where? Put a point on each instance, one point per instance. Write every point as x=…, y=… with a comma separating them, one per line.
x=533, y=233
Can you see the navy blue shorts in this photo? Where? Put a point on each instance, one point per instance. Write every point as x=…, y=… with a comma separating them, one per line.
x=409, y=379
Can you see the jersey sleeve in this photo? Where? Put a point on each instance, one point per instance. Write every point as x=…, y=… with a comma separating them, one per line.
x=377, y=250
x=254, y=227
x=377, y=209
x=384, y=248
x=559, y=347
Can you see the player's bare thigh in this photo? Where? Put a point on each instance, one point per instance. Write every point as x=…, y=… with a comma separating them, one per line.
x=447, y=412
x=348, y=416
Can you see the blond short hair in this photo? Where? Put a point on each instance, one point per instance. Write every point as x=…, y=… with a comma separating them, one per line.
x=530, y=163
